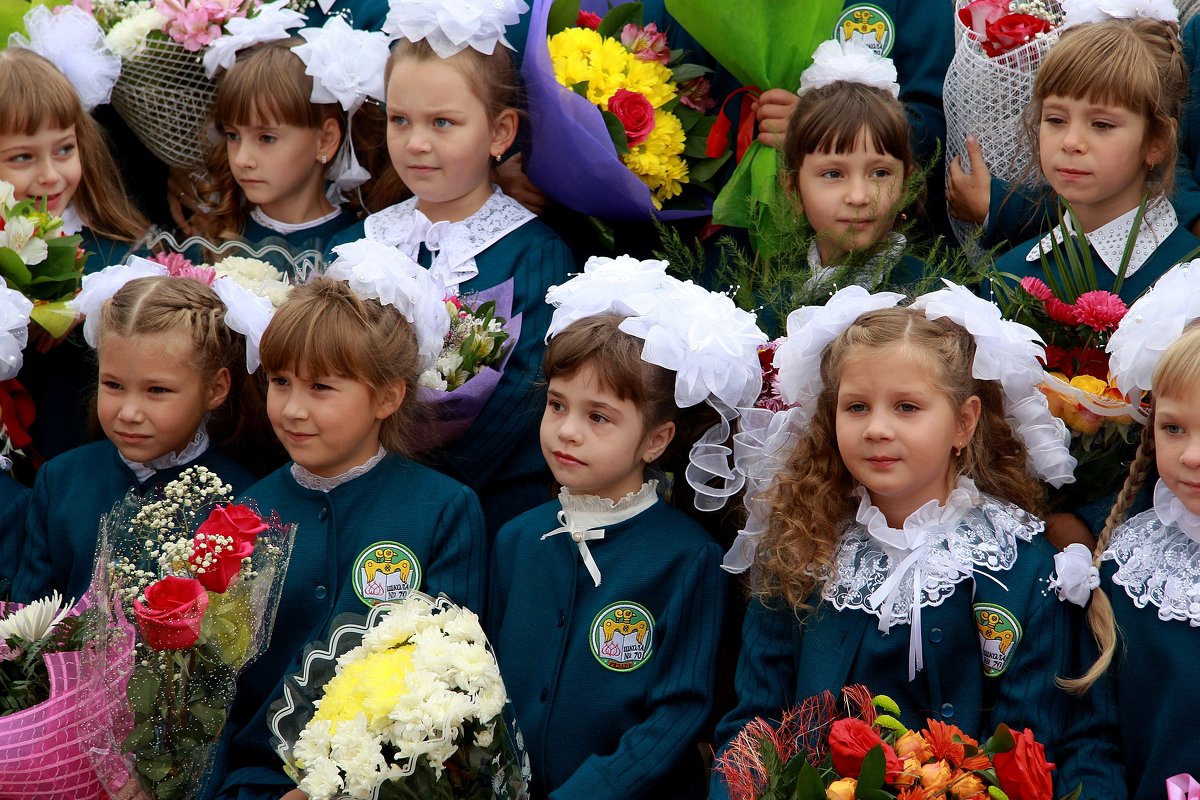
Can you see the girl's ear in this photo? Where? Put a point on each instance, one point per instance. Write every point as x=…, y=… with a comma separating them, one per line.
x=504, y=131
x=968, y=420
x=329, y=140
x=1158, y=145
x=218, y=390
x=389, y=399
x=656, y=441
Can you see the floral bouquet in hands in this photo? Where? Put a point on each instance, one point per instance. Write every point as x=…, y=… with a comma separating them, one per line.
x=38, y=260
x=43, y=702
x=202, y=578
x=472, y=361
x=408, y=704
x=619, y=122
x=861, y=751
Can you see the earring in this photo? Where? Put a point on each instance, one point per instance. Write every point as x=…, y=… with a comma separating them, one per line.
x=958, y=452
x=498, y=158
x=324, y=159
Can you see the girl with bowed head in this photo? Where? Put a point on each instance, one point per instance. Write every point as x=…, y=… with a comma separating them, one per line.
x=283, y=108
x=451, y=108
x=898, y=494
x=52, y=151
x=1105, y=119
x=847, y=160
x=174, y=391
x=1149, y=566
x=342, y=356
x=608, y=592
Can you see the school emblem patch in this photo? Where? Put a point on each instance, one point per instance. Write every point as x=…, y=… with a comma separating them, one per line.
x=623, y=636
x=385, y=571
x=999, y=635
x=867, y=24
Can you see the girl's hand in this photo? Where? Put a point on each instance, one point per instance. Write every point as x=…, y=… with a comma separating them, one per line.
x=295, y=794
x=968, y=196
x=772, y=110
x=183, y=201
x=1065, y=529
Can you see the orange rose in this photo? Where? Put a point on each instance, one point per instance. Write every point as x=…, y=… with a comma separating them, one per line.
x=935, y=776
x=841, y=789
x=967, y=786
x=912, y=771
x=912, y=745
x=1024, y=772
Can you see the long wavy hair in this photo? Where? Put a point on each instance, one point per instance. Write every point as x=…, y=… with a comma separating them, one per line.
x=812, y=501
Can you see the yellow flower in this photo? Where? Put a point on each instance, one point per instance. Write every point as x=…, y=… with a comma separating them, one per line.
x=652, y=80
x=1089, y=384
x=370, y=686
x=841, y=789
x=570, y=54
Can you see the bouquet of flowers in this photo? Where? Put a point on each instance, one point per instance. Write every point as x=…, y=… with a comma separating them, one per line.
x=999, y=46
x=472, y=361
x=619, y=129
x=252, y=274
x=42, y=701
x=202, y=577
x=38, y=260
x=408, y=704
x=862, y=750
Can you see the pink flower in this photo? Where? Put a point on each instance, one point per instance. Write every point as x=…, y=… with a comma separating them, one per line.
x=179, y=267
x=86, y=5
x=694, y=94
x=647, y=44
x=587, y=19
x=192, y=25
x=1037, y=288
x=1100, y=311
x=636, y=115
x=1061, y=312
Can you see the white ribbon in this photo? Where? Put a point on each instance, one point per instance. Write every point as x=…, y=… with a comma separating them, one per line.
x=1075, y=576
x=585, y=518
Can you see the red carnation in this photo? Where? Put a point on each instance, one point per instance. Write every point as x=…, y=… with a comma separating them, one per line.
x=1061, y=312
x=587, y=19
x=1037, y=288
x=1099, y=310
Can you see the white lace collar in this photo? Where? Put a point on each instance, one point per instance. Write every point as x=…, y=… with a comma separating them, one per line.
x=893, y=573
x=144, y=471
x=272, y=224
x=585, y=517
x=1158, y=560
x=72, y=221
x=453, y=245
x=319, y=484
x=1109, y=240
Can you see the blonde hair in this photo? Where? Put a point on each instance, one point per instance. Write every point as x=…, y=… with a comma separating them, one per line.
x=37, y=95
x=1177, y=372
x=267, y=85
x=813, y=501
x=1137, y=64
x=324, y=328
x=492, y=78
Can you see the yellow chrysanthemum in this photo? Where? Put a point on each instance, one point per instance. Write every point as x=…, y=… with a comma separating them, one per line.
x=651, y=80
x=370, y=686
x=570, y=54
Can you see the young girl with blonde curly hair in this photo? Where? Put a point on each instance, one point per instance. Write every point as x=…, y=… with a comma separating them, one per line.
x=901, y=498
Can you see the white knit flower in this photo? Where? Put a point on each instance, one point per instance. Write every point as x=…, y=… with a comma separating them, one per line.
x=1077, y=12
x=1152, y=324
x=71, y=39
x=623, y=285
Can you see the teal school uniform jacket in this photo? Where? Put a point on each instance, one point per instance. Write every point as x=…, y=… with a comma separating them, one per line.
x=785, y=660
x=14, y=502
x=601, y=722
x=315, y=238
x=500, y=455
x=363, y=15
x=397, y=511
x=70, y=494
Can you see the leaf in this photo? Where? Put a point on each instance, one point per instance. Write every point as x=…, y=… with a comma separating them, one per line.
x=809, y=786
x=620, y=16
x=870, y=777
x=210, y=719
x=1078, y=790
x=704, y=169
x=580, y=89
x=1000, y=742
x=173, y=786
x=996, y=793
x=686, y=72
x=563, y=14
x=142, y=736
x=142, y=692
x=616, y=131
x=15, y=273
x=155, y=768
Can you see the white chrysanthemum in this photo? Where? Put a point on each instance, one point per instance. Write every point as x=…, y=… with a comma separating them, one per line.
x=358, y=752
x=484, y=736
x=463, y=626
x=430, y=379
x=128, y=37
x=35, y=620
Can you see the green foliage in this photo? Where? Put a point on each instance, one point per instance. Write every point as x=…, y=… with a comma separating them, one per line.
x=562, y=15
x=618, y=17
x=24, y=680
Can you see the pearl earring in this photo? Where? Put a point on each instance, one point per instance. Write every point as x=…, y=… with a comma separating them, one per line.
x=324, y=159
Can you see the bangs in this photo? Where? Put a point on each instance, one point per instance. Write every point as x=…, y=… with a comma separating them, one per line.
x=312, y=342
x=36, y=95
x=1178, y=373
x=839, y=117
x=267, y=86
x=1081, y=67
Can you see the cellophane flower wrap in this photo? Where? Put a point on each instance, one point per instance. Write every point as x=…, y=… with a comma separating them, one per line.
x=194, y=581
x=856, y=747
x=44, y=703
x=407, y=703
x=478, y=345
x=617, y=119
x=999, y=45
x=38, y=260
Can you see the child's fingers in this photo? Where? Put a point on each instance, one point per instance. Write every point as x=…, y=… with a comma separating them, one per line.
x=979, y=167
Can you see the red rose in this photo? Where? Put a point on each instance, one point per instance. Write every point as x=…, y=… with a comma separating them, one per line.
x=1024, y=772
x=849, y=742
x=217, y=559
x=1088, y=361
x=587, y=19
x=17, y=412
x=978, y=14
x=171, y=616
x=1056, y=359
x=636, y=114
x=239, y=523
x=1011, y=31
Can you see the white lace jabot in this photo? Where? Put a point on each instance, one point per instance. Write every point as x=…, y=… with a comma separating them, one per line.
x=195, y=448
x=453, y=245
x=893, y=573
x=1158, y=558
x=585, y=517
x=318, y=484
x=1109, y=240
x=272, y=224
x=72, y=222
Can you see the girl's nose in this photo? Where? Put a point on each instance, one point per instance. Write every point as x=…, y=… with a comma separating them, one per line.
x=877, y=427
x=130, y=411
x=568, y=430
x=1190, y=457
x=857, y=192
x=1073, y=140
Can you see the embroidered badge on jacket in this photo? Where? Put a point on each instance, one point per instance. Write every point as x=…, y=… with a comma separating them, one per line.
x=384, y=572
x=622, y=636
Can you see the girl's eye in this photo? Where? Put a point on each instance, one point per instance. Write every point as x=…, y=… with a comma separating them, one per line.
x=597, y=418
x=1171, y=429
x=554, y=406
x=159, y=390
x=268, y=138
x=278, y=381
x=882, y=172
x=856, y=408
x=65, y=151
x=399, y=119
x=442, y=122
x=111, y=385
x=1103, y=125
x=907, y=408
x=1052, y=119
x=20, y=158
x=322, y=387
x=831, y=174
x=231, y=136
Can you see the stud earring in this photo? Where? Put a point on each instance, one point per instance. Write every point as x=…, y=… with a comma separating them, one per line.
x=498, y=158
x=324, y=159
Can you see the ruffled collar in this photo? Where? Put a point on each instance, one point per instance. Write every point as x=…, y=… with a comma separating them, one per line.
x=319, y=484
x=272, y=224
x=1109, y=240
x=453, y=245
x=892, y=573
x=72, y=222
x=1158, y=558
x=586, y=516
x=144, y=471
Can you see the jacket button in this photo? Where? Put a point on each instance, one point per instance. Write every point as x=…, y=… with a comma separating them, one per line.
x=319, y=593
x=947, y=709
x=323, y=514
x=562, y=619
x=935, y=635
x=545, y=693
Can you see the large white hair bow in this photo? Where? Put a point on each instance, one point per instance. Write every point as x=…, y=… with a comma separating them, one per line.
x=450, y=27
x=71, y=39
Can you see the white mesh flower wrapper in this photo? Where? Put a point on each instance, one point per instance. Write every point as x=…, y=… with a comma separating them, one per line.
x=986, y=97
x=165, y=97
